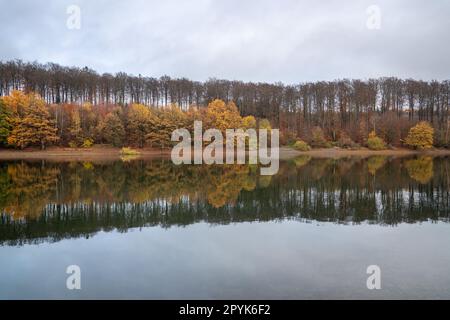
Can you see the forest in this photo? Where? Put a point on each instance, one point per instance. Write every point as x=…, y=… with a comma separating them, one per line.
x=78, y=107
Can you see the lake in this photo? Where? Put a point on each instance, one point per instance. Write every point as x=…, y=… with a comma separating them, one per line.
x=150, y=229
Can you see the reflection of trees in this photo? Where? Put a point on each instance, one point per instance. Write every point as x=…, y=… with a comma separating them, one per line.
x=319, y=168
x=137, y=181
x=227, y=184
x=375, y=163
x=75, y=199
x=29, y=188
x=420, y=169
x=301, y=161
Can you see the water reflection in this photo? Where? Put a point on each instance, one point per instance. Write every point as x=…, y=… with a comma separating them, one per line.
x=48, y=201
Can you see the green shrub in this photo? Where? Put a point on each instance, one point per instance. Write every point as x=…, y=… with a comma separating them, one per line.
x=374, y=142
x=301, y=145
x=88, y=143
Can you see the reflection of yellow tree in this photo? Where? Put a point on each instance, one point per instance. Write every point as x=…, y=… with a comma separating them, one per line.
x=219, y=184
x=30, y=189
x=129, y=158
x=374, y=163
x=249, y=183
x=420, y=169
x=301, y=161
x=88, y=165
x=225, y=186
x=264, y=181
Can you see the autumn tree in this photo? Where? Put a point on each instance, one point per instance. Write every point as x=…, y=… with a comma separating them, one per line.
x=265, y=124
x=17, y=102
x=420, y=136
x=75, y=130
x=318, y=139
x=249, y=122
x=165, y=122
x=31, y=122
x=139, y=124
x=111, y=129
x=159, y=133
x=88, y=120
x=222, y=116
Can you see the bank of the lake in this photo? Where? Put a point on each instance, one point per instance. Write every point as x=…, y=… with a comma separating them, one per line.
x=105, y=152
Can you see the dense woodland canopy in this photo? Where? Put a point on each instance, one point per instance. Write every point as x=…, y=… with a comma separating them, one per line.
x=346, y=111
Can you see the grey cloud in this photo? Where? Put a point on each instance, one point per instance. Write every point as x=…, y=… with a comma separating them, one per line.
x=289, y=41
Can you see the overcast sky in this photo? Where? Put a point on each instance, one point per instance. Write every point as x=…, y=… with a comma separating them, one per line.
x=260, y=40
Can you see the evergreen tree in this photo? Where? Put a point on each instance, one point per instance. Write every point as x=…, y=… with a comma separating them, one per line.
x=5, y=123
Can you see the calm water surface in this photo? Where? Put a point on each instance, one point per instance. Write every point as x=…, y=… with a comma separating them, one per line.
x=149, y=229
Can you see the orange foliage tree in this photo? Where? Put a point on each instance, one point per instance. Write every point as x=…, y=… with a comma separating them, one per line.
x=31, y=121
x=222, y=116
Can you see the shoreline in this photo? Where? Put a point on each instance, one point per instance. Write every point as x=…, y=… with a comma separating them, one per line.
x=112, y=153
x=68, y=154
x=363, y=152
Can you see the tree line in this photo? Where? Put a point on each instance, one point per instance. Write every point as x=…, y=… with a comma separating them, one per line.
x=344, y=109
x=26, y=120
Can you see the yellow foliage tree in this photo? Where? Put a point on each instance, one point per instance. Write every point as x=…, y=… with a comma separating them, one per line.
x=139, y=124
x=222, y=116
x=163, y=124
x=18, y=102
x=88, y=120
x=75, y=130
x=111, y=129
x=31, y=121
x=249, y=122
x=265, y=124
x=420, y=136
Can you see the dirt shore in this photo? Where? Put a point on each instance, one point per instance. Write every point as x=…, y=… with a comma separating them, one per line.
x=67, y=154
x=110, y=153
x=286, y=152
